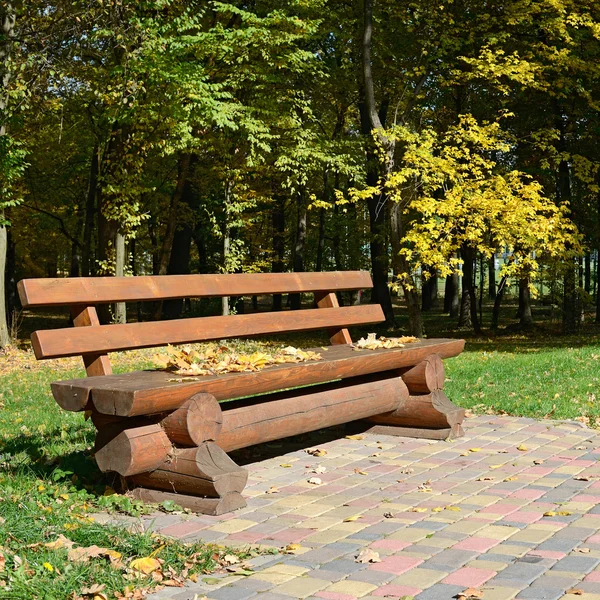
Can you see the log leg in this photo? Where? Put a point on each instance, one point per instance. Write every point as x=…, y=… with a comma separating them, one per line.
x=431, y=416
x=206, y=506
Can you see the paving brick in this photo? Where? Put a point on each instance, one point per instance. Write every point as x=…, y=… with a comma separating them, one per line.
x=579, y=564
x=300, y=587
x=355, y=589
x=521, y=571
x=439, y=591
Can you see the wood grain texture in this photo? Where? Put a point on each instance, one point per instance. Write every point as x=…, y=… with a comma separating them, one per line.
x=95, y=364
x=329, y=300
x=203, y=471
x=102, y=290
x=57, y=343
x=198, y=420
x=426, y=376
x=135, y=451
x=425, y=411
x=412, y=432
x=275, y=416
x=150, y=392
x=205, y=506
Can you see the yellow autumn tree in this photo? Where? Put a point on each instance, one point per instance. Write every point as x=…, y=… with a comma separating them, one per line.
x=463, y=200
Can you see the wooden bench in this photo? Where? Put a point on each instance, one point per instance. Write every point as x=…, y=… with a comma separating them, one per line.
x=168, y=437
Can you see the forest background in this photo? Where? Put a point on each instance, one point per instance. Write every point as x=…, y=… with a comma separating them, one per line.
x=447, y=145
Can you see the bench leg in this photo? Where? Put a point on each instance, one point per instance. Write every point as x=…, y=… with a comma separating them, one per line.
x=206, y=506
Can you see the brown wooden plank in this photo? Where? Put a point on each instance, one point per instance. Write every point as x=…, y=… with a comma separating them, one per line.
x=205, y=506
x=329, y=300
x=102, y=290
x=149, y=392
x=57, y=343
x=95, y=364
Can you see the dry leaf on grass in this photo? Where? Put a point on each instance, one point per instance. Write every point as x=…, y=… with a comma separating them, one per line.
x=84, y=554
x=367, y=556
x=145, y=565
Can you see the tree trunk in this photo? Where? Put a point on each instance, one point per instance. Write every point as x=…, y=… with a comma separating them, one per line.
x=525, y=317
x=179, y=261
x=451, y=295
x=469, y=289
x=4, y=331
x=7, y=28
x=226, y=241
x=429, y=291
x=492, y=277
x=183, y=167
x=278, y=221
x=587, y=285
x=370, y=120
x=90, y=210
x=120, y=254
x=497, y=302
x=300, y=245
x=10, y=280
x=322, y=215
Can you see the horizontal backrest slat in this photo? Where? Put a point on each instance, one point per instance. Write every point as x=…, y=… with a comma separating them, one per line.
x=73, y=341
x=99, y=290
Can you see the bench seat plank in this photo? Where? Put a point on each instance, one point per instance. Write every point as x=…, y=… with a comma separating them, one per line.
x=102, y=290
x=148, y=392
x=73, y=341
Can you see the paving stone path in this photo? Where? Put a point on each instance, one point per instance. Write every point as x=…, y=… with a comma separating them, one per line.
x=443, y=516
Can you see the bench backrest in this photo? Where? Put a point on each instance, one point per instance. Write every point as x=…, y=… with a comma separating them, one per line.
x=93, y=341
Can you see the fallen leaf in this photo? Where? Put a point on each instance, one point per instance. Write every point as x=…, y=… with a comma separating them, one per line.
x=538, y=462
x=563, y=513
x=522, y=448
x=388, y=515
x=319, y=470
x=550, y=513
x=272, y=490
x=437, y=509
x=231, y=559
x=351, y=519
x=474, y=449
x=145, y=565
x=291, y=548
x=60, y=542
x=286, y=466
x=359, y=472
x=575, y=592
x=315, y=481
x=418, y=510
x=582, y=478
x=317, y=452
x=582, y=550
x=366, y=555
x=470, y=594
x=510, y=479
x=355, y=437
x=84, y=554
x=486, y=478
x=452, y=508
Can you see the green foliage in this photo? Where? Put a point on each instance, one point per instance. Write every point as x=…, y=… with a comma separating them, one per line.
x=12, y=168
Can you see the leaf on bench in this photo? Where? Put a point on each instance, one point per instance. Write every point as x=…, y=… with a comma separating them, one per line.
x=187, y=361
x=372, y=343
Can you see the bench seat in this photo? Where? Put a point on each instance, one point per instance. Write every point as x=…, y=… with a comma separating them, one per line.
x=147, y=392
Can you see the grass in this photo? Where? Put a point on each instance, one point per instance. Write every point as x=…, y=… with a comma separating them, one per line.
x=49, y=483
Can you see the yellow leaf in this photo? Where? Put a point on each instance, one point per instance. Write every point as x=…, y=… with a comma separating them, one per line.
x=474, y=449
x=418, y=510
x=550, y=513
x=145, y=565
x=351, y=519
x=563, y=513
x=355, y=437
x=452, y=508
x=286, y=466
x=48, y=567
x=437, y=509
x=495, y=466
x=522, y=448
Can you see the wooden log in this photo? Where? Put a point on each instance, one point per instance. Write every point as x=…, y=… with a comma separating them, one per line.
x=412, y=432
x=73, y=341
x=299, y=411
x=150, y=392
x=426, y=376
x=199, y=420
x=103, y=290
x=205, y=506
x=425, y=411
x=204, y=471
x=135, y=450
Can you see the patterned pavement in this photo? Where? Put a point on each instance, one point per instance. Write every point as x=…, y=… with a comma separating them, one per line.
x=512, y=509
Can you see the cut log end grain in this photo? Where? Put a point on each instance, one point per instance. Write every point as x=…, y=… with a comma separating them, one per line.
x=205, y=471
x=425, y=377
x=135, y=451
x=426, y=411
x=199, y=420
